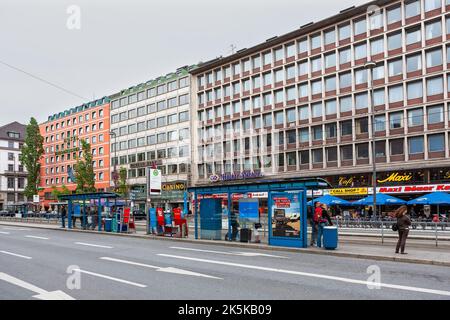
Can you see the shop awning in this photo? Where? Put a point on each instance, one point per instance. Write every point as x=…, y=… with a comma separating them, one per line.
x=382, y=200
x=330, y=201
x=435, y=198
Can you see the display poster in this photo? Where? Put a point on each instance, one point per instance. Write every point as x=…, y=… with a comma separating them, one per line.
x=249, y=210
x=286, y=215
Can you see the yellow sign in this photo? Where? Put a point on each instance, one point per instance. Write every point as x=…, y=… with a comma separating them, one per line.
x=396, y=177
x=348, y=192
x=345, y=182
x=447, y=175
x=177, y=186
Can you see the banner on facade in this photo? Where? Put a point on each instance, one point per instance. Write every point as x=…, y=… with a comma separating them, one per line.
x=348, y=192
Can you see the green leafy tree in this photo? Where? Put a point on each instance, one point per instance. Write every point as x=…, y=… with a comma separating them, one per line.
x=31, y=154
x=59, y=192
x=123, y=187
x=84, y=170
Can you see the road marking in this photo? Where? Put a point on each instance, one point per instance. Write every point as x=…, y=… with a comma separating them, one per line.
x=159, y=269
x=15, y=255
x=16, y=229
x=313, y=275
x=245, y=254
x=111, y=278
x=93, y=245
x=36, y=237
x=41, y=293
x=4, y=232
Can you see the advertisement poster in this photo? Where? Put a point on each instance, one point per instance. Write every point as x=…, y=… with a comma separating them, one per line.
x=286, y=215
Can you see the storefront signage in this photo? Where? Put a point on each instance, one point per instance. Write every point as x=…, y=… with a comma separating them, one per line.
x=345, y=182
x=348, y=192
x=447, y=175
x=235, y=176
x=415, y=189
x=174, y=186
x=397, y=177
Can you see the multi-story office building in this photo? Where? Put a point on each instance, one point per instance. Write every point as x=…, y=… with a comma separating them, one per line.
x=150, y=126
x=62, y=134
x=13, y=177
x=299, y=105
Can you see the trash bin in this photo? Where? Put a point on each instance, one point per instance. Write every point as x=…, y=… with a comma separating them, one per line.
x=330, y=238
x=108, y=225
x=246, y=235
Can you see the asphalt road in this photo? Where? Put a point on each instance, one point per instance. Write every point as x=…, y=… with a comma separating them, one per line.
x=34, y=265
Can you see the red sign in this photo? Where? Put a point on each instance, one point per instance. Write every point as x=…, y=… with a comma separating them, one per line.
x=415, y=188
x=160, y=216
x=177, y=214
x=282, y=202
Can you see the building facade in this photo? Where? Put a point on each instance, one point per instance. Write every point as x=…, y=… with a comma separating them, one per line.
x=299, y=105
x=62, y=134
x=13, y=177
x=150, y=125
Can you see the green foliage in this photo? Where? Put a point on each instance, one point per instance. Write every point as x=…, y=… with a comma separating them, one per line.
x=84, y=170
x=31, y=154
x=123, y=187
x=57, y=193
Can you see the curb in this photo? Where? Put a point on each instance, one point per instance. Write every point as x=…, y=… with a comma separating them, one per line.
x=250, y=246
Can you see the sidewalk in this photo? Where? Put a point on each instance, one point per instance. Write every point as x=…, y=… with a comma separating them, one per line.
x=364, y=248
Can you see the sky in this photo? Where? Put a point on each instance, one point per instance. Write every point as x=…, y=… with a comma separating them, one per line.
x=116, y=44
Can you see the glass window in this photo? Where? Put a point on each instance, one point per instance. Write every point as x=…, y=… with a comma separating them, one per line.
x=447, y=23
x=378, y=72
x=414, y=63
x=303, y=113
x=303, y=90
x=344, y=32
x=395, y=67
x=267, y=99
x=435, y=114
x=394, y=41
x=316, y=64
x=315, y=42
x=331, y=130
x=256, y=62
x=267, y=58
x=279, y=55
x=345, y=80
x=412, y=8
x=413, y=35
x=303, y=46
x=362, y=151
x=362, y=125
x=317, y=155
x=330, y=84
x=291, y=94
x=346, y=104
x=330, y=37
x=360, y=27
x=330, y=60
x=394, y=15
x=360, y=76
x=434, y=58
x=379, y=97
x=256, y=82
x=303, y=135
x=347, y=152
x=414, y=90
x=376, y=46
x=330, y=107
x=279, y=75
x=376, y=19
x=361, y=51
x=433, y=30
x=290, y=72
x=415, y=145
x=396, y=147
x=396, y=94
x=344, y=56
x=435, y=86
x=436, y=142
x=317, y=133
x=267, y=78
x=361, y=101
x=316, y=87
x=415, y=117
x=432, y=4
x=380, y=123
x=346, y=128
x=303, y=68
x=291, y=115
x=316, y=110
x=396, y=120
x=279, y=96
x=267, y=120
x=290, y=50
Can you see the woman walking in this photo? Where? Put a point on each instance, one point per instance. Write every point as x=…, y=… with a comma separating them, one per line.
x=403, y=224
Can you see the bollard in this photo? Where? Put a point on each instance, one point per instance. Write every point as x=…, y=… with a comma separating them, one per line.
x=436, y=233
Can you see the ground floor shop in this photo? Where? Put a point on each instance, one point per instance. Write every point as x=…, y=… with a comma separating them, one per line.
x=172, y=196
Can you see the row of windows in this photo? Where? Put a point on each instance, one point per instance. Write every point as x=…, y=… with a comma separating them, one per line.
x=394, y=120
x=343, y=32
x=393, y=68
x=86, y=117
x=75, y=132
x=91, y=140
x=56, y=181
x=152, y=92
x=170, y=136
x=62, y=169
x=347, y=153
x=13, y=183
x=170, y=169
x=165, y=153
x=151, y=108
x=67, y=157
x=152, y=124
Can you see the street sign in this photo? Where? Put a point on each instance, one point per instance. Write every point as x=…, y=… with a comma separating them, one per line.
x=154, y=180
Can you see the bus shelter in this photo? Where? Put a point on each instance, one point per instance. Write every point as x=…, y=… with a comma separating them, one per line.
x=286, y=208
x=101, y=199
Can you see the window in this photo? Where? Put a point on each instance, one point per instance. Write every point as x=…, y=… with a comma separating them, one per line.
x=330, y=84
x=330, y=37
x=415, y=145
x=247, y=65
x=303, y=90
x=345, y=104
x=412, y=9
x=394, y=15
x=435, y=114
x=331, y=130
x=362, y=125
x=267, y=120
x=316, y=64
x=303, y=135
x=290, y=50
x=360, y=51
x=360, y=76
x=345, y=80
x=436, y=142
x=377, y=46
x=361, y=101
x=303, y=68
x=362, y=151
x=344, y=32
x=316, y=87
x=317, y=133
x=435, y=86
x=267, y=78
x=330, y=60
x=303, y=113
x=346, y=128
x=236, y=69
x=415, y=117
x=414, y=90
x=279, y=76
x=413, y=35
x=303, y=46
x=376, y=19
x=291, y=94
x=347, y=152
x=279, y=55
x=290, y=72
x=360, y=27
x=380, y=123
x=316, y=110
x=396, y=147
x=317, y=155
x=396, y=120
x=395, y=67
x=315, y=41
x=279, y=118
x=344, y=56
x=433, y=30
x=395, y=94
x=394, y=41
x=413, y=63
x=379, y=97
x=432, y=5
x=256, y=62
x=434, y=58
x=330, y=107
x=267, y=58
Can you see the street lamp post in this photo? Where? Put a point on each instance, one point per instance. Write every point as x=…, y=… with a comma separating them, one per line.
x=370, y=65
x=113, y=134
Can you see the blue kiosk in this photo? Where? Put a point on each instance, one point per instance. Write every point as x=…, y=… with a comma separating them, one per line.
x=85, y=199
x=287, y=208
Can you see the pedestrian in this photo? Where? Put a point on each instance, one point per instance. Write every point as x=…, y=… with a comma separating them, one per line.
x=315, y=222
x=323, y=218
x=63, y=216
x=370, y=213
x=403, y=224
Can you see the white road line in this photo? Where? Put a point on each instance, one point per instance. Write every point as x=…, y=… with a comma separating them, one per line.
x=313, y=275
x=36, y=237
x=16, y=229
x=41, y=293
x=93, y=245
x=111, y=278
x=245, y=254
x=159, y=269
x=15, y=255
x=4, y=232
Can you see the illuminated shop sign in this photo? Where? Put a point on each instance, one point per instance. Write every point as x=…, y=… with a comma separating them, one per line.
x=235, y=176
x=397, y=177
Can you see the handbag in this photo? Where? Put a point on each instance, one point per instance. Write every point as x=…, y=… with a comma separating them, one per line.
x=395, y=227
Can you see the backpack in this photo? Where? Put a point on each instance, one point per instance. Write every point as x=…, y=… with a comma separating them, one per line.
x=317, y=215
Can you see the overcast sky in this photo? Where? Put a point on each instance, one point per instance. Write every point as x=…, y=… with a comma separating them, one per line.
x=127, y=42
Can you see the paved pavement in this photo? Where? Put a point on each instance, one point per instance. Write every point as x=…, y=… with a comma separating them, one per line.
x=34, y=264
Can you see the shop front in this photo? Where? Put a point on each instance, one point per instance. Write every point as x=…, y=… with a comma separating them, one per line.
x=172, y=196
